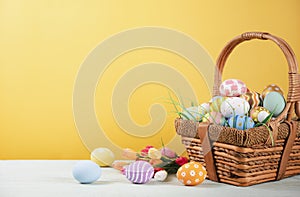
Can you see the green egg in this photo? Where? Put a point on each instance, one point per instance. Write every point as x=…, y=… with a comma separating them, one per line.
x=274, y=102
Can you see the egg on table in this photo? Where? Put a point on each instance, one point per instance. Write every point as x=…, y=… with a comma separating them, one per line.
x=271, y=88
x=259, y=114
x=234, y=106
x=191, y=174
x=241, y=122
x=232, y=87
x=253, y=98
x=86, y=171
x=274, y=102
x=102, y=156
x=139, y=172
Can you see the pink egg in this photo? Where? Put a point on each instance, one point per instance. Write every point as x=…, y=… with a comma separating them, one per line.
x=139, y=172
x=232, y=87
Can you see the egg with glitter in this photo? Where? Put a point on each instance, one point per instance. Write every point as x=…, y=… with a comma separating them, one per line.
x=253, y=98
x=214, y=117
x=271, y=88
x=234, y=106
x=215, y=103
x=139, y=172
x=86, y=171
x=274, y=102
x=191, y=174
x=241, y=122
x=232, y=87
x=259, y=114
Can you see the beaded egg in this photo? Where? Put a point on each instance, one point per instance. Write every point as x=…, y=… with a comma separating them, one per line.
x=271, y=88
x=241, y=122
x=253, y=98
x=139, y=172
x=191, y=174
x=234, y=106
x=232, y=87
x=259, y=114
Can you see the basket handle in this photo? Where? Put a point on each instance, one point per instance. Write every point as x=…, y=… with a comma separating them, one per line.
x=293, y=97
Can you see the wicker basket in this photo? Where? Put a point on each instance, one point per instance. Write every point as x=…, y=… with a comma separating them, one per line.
x=246, y=157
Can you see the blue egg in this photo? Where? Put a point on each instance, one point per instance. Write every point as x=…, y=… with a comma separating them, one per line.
x=274, y=102
x=86, y=171
x=241, y=122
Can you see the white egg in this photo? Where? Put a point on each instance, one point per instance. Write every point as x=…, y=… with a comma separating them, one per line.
x=233, y=106
x=102, y=156
x=261, y=116
x=86, y=171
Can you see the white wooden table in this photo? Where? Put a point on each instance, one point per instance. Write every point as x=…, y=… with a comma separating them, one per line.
x=54, y=178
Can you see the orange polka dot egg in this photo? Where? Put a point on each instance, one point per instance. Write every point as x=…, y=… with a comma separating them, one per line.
x=191, y=174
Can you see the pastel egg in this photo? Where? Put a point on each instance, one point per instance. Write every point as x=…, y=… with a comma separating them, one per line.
x=274, y=102
x=214, y=117
x=191, y=113
x=191, y=174
x=253, y=98
x=232, y=87
x=234, y=106
x=215, y=103
x=258, y=114
x=102, y=156
x=204, y=108
x=241, y=122
x=86, y=172
x=271, y=88
x=139, y=172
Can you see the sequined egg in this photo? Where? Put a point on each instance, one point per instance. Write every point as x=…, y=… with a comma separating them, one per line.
x=258, y=114
x=271, y=88
x=215, y=103
x=214, y=118
x=274, y=102
x=232, y=87
x=241, y=122
x=191, y=174
x=139, y=172
x=253, y=98
x=234, y=106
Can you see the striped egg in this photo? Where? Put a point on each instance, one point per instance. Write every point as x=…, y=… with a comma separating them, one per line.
x=215, y=103
x=139, y=172
x=241, y=122
x=232, y=87
x=253, y=98
x=214, y=118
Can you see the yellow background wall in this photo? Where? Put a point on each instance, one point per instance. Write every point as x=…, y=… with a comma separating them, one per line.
x=43, y=43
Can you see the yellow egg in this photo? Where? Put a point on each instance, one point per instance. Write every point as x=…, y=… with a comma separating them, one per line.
x=191, y=174
x=102, y=156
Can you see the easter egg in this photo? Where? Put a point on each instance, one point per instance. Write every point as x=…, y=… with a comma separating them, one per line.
x=191, y=174
x=86, y=171
x=102, y=156
x=274, y=102
x=271, y=88
x=234, y=106
x=241, y=122
x=215, y=103
x=204, y=108
x=253, y=98
x=214, y=117
x=139, y=172
x=258, y=114
x=232, y=87
x=191, y=113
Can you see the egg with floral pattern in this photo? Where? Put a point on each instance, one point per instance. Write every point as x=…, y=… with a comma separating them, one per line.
x=232, y=87
x=241, y=122
x=191, y=174
x=139, y=172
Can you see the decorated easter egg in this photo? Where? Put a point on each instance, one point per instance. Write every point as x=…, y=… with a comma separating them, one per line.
x=232, y=87
x=139, y=172
x=191, y=174
x=241, y=122
x=259, y=114
x=274, y=102
x=234, y=106
x=204, y=108
x=271, y=88
x=215, y=103
x=191, y=113
x=102, y=156
x=253, y=98
x=214, y=117
x=86, y=171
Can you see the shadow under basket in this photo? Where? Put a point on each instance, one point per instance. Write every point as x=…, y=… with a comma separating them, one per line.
x=252, y=156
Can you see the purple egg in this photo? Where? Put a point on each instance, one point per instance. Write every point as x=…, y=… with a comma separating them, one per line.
x=139, y=172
